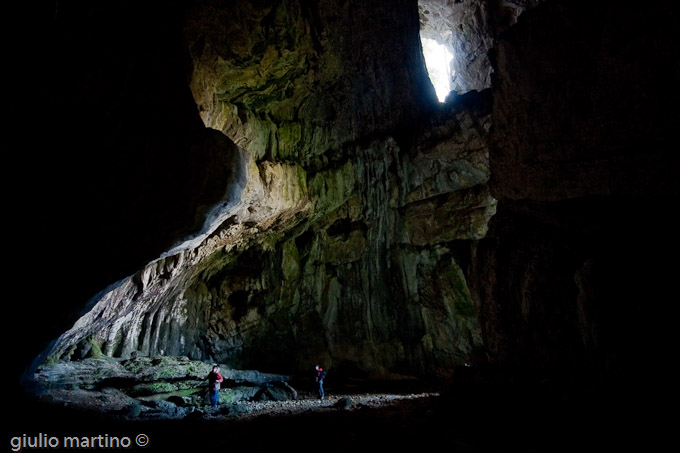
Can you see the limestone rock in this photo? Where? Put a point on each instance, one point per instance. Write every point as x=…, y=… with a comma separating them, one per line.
x=297, y=259
x=470, y=28
x=357, y=230
x=156, y=381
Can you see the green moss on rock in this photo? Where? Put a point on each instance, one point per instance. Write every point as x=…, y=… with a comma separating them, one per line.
x=464, y=307
x=153, y=388
x=95, y=351
x=289, y=135
x=456, y=289
x=290, y=261
x=226, y=397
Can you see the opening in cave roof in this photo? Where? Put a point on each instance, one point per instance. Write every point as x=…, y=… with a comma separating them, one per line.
x=438, y=59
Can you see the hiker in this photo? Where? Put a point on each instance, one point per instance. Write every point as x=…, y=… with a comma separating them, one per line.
x=214, y=380
x=320, y=376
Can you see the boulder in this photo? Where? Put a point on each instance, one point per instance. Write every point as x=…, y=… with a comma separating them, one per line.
x=343, y=403
x=278, y=391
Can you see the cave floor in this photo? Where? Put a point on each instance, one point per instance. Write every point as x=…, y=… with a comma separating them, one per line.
x=409, y=419
x=116, y=404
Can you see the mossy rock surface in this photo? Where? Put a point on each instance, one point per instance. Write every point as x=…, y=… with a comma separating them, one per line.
x=167, y=368
x=182, y=394
x=153, y=388
x=155, y=379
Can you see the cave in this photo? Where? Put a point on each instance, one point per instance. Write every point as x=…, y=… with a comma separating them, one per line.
x=269, y=185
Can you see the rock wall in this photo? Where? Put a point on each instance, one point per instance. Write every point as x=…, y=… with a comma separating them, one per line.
x=470, y=29
x=374, y=231
x=366, y=276
x=111, y=163
x=349, y=241
x=581, y=167
x=296, y=81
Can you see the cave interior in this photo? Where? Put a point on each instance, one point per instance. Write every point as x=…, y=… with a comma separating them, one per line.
x=271, y=184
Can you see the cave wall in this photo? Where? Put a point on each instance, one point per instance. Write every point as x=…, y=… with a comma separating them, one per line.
x=110, y=163
x=470, y=29
x=375, y=232
x=367, y=276
x=296, y=81
x=581, y=164
x=350, y=237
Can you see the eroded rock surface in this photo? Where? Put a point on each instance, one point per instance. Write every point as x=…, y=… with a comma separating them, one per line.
x=470, y=28
x=347, y=239
x=297, y=283
x=524, y=226
x=167, y=386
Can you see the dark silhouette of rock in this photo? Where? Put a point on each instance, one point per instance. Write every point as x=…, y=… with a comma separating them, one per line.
x=343, y=403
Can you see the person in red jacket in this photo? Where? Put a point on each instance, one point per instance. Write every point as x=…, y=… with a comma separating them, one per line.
x=214, y=380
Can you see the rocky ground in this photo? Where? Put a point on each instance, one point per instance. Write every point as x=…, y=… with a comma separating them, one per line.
x=348, y=402
x=118, y=404
x=164, y=399
x=174, y=388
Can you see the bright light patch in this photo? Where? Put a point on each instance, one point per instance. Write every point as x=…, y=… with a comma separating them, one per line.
x=438, y=62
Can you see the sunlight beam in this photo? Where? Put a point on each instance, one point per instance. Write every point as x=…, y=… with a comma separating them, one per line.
x=438, y=62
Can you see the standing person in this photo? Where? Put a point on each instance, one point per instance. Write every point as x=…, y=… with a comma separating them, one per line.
x=214, y=380
x=320, y=376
